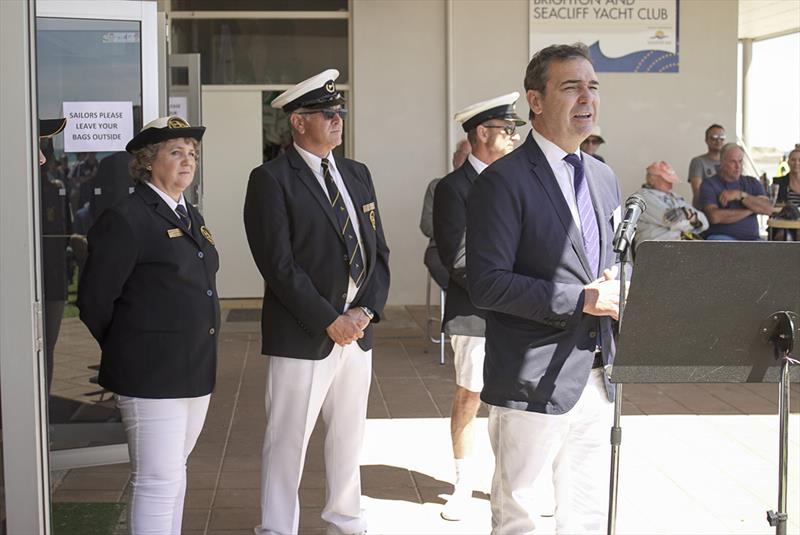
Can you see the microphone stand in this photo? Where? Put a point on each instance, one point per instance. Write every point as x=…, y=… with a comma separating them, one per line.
x=616, y=430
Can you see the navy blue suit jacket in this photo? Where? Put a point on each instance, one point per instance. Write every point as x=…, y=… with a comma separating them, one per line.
x=297, y=245
x=527, y=267
x=148, y=295
x=449, y=224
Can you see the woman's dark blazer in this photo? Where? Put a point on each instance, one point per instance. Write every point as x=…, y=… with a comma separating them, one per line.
x=148, y=295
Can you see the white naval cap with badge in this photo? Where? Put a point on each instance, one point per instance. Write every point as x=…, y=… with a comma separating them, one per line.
x=316, y=92
x=162, y=129
x=502, y=107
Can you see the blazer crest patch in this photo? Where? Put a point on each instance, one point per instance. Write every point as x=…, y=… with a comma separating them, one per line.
x=207, y=234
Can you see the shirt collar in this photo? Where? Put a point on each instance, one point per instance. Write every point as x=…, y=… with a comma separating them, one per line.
x=167, y=199
x=552, y=152
x=312, y=160
x=477, y=164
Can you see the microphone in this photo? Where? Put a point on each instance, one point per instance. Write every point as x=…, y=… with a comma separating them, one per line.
x=634, y=207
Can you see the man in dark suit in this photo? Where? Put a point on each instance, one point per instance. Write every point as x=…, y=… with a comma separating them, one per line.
x=540, y=261
x=315, y=233
x=491, y=132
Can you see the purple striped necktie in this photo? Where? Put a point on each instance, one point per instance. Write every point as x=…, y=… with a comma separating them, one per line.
x=591, y=234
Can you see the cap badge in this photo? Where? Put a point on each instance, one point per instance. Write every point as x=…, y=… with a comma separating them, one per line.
x=177, y=122
x=330, y=87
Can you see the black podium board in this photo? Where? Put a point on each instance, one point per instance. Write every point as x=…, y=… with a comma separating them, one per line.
x=695, y=310
x=711, y=312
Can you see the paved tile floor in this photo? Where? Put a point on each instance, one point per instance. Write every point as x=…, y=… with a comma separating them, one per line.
x=694, y=458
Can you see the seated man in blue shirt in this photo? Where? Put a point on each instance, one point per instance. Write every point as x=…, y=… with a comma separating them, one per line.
x=731, y=201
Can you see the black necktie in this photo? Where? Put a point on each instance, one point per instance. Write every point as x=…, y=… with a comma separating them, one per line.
x=184, y=215
x=345, y=225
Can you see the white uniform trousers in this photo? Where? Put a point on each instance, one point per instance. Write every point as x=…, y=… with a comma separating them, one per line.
x=297, y=391
x=575, y=444
x=161, y=434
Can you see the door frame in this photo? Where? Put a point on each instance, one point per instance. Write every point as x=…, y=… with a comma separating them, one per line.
x=25, y=463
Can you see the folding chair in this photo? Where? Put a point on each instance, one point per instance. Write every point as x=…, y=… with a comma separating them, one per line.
x=442, y=339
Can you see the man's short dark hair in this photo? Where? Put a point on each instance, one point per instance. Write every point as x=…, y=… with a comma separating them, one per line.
x=712, y=127
x=536, y=73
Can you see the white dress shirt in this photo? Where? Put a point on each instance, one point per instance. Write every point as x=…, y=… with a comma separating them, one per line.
x=477, y=164
x=169, y=200
x=564, y=172
x=314, y=163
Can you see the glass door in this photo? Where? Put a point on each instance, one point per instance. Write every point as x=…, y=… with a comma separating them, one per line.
x=97, y=66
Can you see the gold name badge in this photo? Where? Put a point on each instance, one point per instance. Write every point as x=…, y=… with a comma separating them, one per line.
x=207, y=234
x=174, y=233
x=368, y=207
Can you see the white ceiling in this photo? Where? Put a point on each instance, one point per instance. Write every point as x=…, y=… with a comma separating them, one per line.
x=762, y=18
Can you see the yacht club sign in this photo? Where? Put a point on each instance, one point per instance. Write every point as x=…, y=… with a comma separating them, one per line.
x=622, y=35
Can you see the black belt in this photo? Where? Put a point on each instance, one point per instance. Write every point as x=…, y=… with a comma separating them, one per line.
x=598, y=360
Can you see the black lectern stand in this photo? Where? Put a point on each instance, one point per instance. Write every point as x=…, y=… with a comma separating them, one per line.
x=714, y=312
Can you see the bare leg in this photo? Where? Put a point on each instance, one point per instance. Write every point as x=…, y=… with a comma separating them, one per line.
x=462, y=416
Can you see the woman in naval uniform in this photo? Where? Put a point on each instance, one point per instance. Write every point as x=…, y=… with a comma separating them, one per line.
x=148, y=295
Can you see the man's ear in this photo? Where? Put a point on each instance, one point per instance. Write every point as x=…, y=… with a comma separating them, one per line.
x=297, y=123
x=482, y=133
x=534, y=100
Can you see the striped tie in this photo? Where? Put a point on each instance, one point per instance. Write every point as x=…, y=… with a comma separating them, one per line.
x=591, y=235
x=353, y=257
x=184, y=215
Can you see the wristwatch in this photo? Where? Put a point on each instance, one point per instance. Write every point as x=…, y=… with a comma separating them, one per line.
x=369, y=313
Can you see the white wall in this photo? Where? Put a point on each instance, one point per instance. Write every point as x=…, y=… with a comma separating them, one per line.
x=400, y=121
x=231, y=149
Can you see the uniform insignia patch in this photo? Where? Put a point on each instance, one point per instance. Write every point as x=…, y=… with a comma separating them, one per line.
x=174, y=233
x=207, y=234
x=368, y=207
x=372, y=220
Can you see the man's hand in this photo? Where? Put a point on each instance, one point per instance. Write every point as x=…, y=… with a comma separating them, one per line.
x=359, y=317
x=601, y=297
x=345, y=330
x=729, y=195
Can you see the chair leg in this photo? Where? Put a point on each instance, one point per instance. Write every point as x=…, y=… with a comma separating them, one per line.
x=441, y=328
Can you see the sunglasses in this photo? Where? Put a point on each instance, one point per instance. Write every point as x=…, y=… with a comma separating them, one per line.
x=509, y=129
x=717, y=137
x=327, y=113
x=593, y=141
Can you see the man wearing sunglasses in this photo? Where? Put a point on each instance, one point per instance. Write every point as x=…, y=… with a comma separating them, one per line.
x=491, y=128
x=706, y=165
x=315, y=233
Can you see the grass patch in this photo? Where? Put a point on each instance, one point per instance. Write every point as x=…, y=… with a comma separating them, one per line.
x=70, y=309
x=86, y=518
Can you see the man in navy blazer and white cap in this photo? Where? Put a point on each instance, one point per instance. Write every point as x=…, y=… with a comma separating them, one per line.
x=491, y=128
x=315, y=232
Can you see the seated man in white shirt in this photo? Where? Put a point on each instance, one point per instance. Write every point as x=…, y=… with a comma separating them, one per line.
x=668, y=215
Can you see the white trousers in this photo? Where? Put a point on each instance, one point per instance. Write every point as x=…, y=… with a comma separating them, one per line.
x=297, y=391
x=161, y=434
x=575, y=444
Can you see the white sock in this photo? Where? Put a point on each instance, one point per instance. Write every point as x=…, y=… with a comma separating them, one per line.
x=465, y=473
